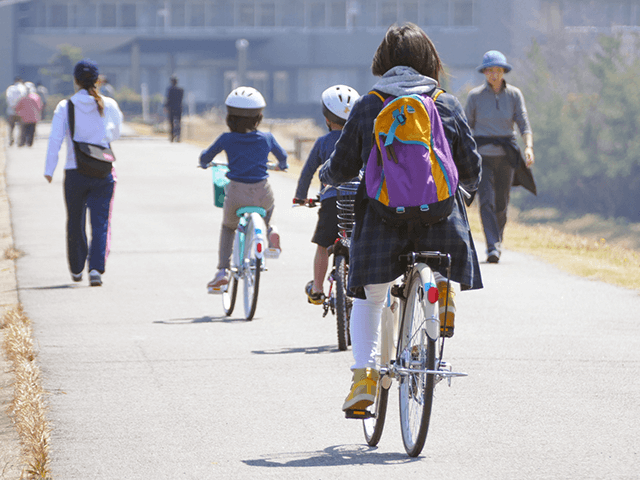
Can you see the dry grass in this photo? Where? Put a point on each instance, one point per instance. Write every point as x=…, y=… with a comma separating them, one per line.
x=12, y=253
x=590, y=256
x=28, y=408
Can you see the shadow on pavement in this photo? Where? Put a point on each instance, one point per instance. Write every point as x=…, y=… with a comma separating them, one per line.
x=332, y=456
x=305, y=350
x=206, y=319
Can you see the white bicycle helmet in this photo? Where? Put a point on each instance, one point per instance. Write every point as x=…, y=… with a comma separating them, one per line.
x=245, y=102
x=337, y=102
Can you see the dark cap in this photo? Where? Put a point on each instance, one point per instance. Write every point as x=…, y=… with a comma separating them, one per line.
x=86, y=73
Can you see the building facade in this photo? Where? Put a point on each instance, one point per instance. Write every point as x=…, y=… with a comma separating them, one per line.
x=291, y=50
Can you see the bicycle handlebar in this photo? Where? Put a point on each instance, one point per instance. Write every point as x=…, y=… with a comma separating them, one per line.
x=306, y=202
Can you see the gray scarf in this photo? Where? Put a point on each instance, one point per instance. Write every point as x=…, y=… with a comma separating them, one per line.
x=404, y=81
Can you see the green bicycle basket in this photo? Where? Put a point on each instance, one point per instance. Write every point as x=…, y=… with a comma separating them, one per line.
x=220, y=181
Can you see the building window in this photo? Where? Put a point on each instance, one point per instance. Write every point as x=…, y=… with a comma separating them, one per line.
x=292, y=13
x=409, y=12
x=177, y=14
x=59, y=16
x=267, y=15
x=246, y=15
x=462, y=13
x=281, y=89
x=196, y=15
x=317, y=14
x=128, y=15
x=387, y=13
x=107, y=15
x=87, y=16
x=436, y=13
x=338, y=14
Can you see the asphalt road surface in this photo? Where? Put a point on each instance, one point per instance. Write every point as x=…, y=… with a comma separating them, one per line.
x=149, y=380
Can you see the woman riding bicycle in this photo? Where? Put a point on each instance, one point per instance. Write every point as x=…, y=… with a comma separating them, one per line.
x=408, y=63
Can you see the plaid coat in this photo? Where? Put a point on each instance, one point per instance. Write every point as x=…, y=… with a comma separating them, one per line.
x=375, y=246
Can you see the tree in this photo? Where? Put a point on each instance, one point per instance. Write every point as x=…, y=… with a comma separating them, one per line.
x=61, y=69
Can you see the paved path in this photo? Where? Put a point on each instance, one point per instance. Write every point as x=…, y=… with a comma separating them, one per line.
x=148, y=379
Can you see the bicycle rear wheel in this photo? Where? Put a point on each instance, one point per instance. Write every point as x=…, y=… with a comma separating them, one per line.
x=343, y=303
x=417, y=352
x=251, y=284
x=229, y=296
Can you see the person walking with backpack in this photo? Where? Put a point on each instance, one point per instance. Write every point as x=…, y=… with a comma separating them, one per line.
x=14, y=94
x=493, y=110
x=97, y=121
x=336, y=106
x=407, y=63
x=29, y=109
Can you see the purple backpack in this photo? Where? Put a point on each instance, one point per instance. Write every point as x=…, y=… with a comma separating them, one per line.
x=410, y=174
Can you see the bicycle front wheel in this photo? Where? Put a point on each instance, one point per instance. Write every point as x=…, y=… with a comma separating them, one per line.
x=229, y=296
x=417, y=353
x=343, y=303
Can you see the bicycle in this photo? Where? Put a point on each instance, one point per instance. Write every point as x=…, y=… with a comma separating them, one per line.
x=411, y=351
x=337, y=301
x=250, y=251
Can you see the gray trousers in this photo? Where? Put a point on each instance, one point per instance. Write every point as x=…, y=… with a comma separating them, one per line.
x=493, y=193
x=239, y=195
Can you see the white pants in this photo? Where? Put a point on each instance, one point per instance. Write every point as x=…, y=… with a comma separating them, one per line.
x=365, y=323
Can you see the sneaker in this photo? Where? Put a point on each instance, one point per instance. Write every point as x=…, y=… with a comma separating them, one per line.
x=363, y=389
x=446, y=322
x=219, y=281
x=274, y=238
x=493, y=256
x=95, y=279
x=77, y=277
x=315, y=298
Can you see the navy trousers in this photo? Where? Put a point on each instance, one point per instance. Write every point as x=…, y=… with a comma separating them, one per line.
x=494, y=192
x=82, y=193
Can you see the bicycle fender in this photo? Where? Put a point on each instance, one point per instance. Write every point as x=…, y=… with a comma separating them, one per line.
x=430, y=309
x=259, y=239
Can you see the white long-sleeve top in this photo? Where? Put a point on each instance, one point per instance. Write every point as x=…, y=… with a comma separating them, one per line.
x=90, y=127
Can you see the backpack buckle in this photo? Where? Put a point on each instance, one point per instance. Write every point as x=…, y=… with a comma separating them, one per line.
x=424, y=208
x=399, y=209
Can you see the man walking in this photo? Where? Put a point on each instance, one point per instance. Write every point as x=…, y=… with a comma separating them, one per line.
x=173, y=107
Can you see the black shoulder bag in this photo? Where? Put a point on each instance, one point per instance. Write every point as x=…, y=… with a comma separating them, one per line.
x=92, y=160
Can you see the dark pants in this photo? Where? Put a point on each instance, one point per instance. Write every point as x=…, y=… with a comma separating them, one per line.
x=493, y=193
x=13, y=120
x=27, y=132
x=174, y=125
x=96, y=195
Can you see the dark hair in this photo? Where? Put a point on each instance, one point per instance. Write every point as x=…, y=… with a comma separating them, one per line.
x=409, y=46
x=240, y=124
x=174, y=80
x=86, y=74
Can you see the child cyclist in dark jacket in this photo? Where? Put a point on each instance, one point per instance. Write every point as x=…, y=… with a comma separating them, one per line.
x=407, y=63
x=247, y=152
x=336, y=105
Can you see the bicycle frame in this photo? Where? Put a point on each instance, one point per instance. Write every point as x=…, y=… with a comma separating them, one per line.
x=250, y=218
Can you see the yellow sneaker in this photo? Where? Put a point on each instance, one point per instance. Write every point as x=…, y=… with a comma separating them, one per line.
x=363, y=389
x=446, y=323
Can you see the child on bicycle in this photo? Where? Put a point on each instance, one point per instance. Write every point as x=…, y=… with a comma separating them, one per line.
x=407, y=63
x=247, y=152
x=336, y=105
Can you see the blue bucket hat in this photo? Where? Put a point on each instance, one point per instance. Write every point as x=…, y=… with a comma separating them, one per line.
x=494, y=58
x=86, y=73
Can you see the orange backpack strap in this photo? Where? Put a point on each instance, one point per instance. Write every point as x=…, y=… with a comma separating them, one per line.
x=377, y=94
x=438, y=92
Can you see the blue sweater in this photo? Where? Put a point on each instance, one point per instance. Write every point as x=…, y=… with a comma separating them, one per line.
x=319, y=154
x=247, y=154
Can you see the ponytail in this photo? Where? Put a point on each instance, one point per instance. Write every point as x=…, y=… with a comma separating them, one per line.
x=99, y=101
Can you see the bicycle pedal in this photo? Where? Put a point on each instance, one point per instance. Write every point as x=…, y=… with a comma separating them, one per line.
x=217, y=290
x=358, y=414
x=273, y=253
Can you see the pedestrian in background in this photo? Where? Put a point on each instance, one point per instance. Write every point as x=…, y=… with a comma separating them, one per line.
x=105, y=88
x=173, y=108
x=14, y=93
x=97, y=121
x=44, y=96
x=29, y=109
x=493, y=110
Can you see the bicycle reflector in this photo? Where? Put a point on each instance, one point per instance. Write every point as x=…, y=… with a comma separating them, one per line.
x=259, y=250
x=432, y=294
